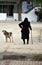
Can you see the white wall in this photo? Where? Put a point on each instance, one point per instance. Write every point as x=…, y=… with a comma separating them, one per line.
x=31, y=16
x=15, y=15
x=3, y=16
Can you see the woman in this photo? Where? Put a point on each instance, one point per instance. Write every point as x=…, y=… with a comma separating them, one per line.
x=25, y=25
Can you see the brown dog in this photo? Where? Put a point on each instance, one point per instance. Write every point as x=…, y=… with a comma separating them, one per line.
x=8, y=35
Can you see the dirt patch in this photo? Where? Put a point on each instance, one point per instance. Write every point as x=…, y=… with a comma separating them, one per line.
x=37, y=57
x=14, y=57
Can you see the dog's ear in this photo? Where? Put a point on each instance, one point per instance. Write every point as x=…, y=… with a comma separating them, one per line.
x=3, y=30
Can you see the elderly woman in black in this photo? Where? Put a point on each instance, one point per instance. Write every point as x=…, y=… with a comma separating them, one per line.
x=25, y=25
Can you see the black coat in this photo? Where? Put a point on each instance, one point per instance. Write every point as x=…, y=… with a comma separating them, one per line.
x=25, y=25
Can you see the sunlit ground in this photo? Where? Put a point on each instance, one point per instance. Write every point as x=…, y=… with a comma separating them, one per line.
x=17, y=47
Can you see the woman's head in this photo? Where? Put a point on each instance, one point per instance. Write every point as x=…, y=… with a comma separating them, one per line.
x=26, y=19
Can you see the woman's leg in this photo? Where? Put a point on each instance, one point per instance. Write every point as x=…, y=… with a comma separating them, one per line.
x=24, y=41
x=27, y=41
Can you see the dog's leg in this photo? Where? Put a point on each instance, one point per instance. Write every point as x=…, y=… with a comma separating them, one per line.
x=12, y=38
x=6, y=39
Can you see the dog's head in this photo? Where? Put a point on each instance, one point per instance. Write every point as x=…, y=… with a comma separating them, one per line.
x=6, y=33
x=3, y=31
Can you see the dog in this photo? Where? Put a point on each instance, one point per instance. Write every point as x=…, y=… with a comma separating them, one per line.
x=8, y=35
